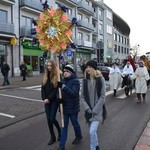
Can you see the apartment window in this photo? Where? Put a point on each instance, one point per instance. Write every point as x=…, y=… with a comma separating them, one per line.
x=122, y=50
x=121, y=39
x=26, y=21
x=115, y=36
x=115, y=48
x=109, y=15
x=109, y=29
x=87, y=37
x=69, y=11
x=125, y=50
x=3, y=16
x=79, y=16
x=118, y=49
x=79, y=35
x=125, y=41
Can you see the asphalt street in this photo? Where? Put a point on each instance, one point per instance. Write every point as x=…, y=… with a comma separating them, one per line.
x=121, y=131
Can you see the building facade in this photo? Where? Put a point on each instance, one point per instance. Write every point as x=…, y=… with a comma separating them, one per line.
x=101, y=34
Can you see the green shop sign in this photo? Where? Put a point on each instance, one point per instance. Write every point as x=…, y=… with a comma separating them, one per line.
x=29, y=44
x=85, y=51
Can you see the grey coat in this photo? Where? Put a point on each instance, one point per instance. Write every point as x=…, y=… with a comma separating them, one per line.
x=95, y=102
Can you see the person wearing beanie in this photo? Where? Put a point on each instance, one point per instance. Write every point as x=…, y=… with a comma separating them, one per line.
x=71, y=105
x=93, y=101
x=92, y=64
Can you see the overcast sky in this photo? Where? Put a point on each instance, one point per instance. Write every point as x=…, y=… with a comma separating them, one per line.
x=136, y=14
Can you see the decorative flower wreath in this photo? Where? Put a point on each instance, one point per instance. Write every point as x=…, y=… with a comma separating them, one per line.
x=54, y=30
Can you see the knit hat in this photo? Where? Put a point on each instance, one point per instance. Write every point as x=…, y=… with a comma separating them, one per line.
x=92, y=64
x=69, y=68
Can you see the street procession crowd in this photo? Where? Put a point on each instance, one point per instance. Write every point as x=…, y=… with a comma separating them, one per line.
x=92, y=98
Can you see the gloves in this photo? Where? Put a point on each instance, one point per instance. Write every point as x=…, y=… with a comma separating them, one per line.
x=59, y=84
x=88, y=115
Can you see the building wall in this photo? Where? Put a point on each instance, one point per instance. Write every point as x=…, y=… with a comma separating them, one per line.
x=87, y=48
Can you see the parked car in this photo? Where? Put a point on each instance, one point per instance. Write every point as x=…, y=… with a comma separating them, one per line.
x=105, y=71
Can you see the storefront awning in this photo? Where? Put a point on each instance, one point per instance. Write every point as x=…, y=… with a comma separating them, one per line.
x=32, y=52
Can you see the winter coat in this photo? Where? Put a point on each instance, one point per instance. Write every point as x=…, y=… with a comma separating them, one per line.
x=70, y=94
x=96, y=102
x=23, y=69
x=114, y=78
x=141, y=75
x=5, y=69
x=49, y=92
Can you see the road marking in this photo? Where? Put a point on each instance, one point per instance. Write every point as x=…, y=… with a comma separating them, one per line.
x=24, y=98
x=31, y=87
x=7, y=115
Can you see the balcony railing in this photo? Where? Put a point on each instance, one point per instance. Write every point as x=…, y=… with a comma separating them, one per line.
x=31, y=4
x=6, y=27
x=85, y=24
x=87, y=8
x=8, y=2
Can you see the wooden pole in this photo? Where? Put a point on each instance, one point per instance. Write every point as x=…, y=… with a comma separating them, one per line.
x=60, y=93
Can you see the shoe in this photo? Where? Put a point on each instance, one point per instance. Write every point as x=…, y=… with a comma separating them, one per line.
x=97, y=147
x=138, y=101
x=52, y=140
x=77, y=140
x=115, y=92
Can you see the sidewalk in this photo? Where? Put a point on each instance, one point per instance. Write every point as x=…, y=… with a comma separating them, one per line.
x=144, y=140
x=17, y=81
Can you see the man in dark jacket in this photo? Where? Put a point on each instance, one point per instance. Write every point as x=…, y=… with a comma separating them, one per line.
x=23, y=69
x=71, y=105
x=5, y=70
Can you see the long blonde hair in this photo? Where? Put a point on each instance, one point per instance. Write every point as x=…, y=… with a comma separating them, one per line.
x=53, y=75
x=94, y=73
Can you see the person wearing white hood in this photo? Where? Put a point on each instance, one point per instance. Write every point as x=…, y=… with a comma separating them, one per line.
x=114, y=78
x=141, y=77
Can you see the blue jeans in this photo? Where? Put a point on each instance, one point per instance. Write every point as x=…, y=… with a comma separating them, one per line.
x=93, y=126
x=64, y=130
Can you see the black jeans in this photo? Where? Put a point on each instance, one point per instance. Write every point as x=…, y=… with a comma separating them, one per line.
x=6, y=82
x=51, y=110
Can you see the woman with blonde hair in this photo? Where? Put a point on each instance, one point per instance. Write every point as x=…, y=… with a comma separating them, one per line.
x=93, y=99
x=49, y=97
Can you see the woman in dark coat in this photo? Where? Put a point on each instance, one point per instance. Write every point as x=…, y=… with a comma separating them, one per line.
x=49, y=97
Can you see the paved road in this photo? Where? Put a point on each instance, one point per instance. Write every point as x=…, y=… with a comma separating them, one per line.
x=125, y=123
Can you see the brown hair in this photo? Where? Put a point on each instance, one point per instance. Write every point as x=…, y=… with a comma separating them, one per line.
x=53, y=75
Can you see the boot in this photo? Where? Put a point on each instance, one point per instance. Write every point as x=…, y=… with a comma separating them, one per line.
x=143, y=95
x=77, y=140
x=97, y=147
x=114, y=92
x=52, y=140
x=139, y=98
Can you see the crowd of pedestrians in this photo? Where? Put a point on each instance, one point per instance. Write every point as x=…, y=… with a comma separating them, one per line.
x=92, y=99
